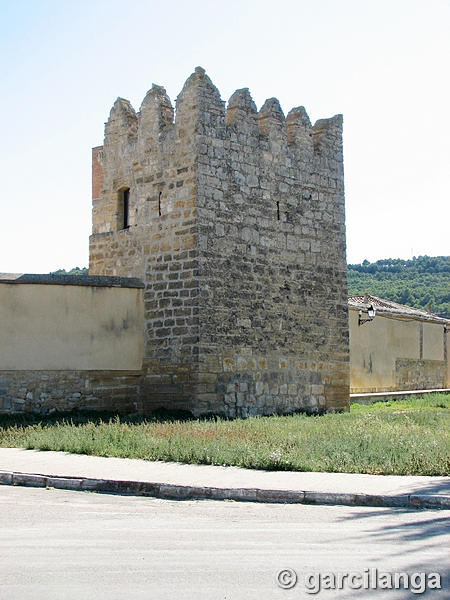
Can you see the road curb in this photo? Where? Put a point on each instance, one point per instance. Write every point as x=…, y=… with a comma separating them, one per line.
x=185, y=492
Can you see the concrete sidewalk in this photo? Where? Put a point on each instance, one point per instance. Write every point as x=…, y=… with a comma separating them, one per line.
x=174, y=480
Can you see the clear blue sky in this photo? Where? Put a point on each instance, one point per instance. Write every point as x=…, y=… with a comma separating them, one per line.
x=383, y=64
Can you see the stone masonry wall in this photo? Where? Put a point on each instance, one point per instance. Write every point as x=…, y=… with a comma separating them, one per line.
x=155, y=159
x=420, y=374
x=273, y=301
x=97, y=172
x=45, y=392
x=237, y=228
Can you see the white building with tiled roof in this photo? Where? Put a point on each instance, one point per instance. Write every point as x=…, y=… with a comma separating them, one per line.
x=395, y=347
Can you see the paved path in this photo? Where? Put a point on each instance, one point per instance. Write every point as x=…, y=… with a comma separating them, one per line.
x=183, y=477
x=58, y=544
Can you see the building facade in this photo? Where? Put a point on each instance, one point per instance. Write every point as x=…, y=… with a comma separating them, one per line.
x=399, y=348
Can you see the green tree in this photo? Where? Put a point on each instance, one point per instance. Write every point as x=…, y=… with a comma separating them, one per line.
x=423, y=282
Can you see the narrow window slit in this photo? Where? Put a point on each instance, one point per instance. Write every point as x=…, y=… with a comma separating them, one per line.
x=159, y=203
x=126, y=209
x=278, y=210
x=123, y=209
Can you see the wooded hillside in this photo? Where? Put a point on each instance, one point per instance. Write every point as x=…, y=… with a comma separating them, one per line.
x=423, y=282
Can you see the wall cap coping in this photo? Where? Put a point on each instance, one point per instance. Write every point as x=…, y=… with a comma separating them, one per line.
x=80, y=280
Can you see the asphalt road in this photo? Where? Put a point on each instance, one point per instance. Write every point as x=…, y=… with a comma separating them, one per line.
x=65, y=545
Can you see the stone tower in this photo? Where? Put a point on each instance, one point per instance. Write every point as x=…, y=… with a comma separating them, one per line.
x=234, y=219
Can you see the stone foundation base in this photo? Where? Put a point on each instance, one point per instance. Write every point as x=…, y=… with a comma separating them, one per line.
x=420, y=374
x=44, y=392
x=242, y=385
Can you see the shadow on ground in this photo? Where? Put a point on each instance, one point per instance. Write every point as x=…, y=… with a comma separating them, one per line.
x=414, y=540
x=81, y=417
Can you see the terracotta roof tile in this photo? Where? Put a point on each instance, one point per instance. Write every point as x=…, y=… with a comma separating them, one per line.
x=390, y=307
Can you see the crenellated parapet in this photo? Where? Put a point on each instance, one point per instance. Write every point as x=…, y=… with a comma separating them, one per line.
x=327, y=138
x=155, y=117
x=299, y=133
x=122, y=124
x=241, y=110
x=199, y=96
x=234, y=218
x=200, y=111
x=271, y=119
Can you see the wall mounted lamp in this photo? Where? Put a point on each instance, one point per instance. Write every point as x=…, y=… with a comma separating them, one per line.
x=370, y=315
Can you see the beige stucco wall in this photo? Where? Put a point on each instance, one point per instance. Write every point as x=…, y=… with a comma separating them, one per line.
x=70, y=327
x=375, y=348
x=433, y=346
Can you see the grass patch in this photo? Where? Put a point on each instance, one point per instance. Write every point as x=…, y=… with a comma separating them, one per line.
x=407, y=437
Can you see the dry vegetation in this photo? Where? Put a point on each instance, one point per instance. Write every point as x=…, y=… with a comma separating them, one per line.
x=402, y=438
